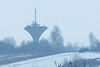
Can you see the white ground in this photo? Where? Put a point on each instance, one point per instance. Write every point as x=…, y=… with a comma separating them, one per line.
x=49, y=61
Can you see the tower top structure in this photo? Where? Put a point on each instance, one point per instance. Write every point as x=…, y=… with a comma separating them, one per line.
x=35, y=16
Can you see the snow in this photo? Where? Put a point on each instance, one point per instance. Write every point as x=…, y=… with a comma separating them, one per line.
x=49, y=61
x=89, y=55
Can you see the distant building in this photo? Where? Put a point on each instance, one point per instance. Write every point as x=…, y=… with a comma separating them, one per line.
x=35, y=30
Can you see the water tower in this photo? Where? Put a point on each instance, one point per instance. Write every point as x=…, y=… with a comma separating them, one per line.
x=35, y=30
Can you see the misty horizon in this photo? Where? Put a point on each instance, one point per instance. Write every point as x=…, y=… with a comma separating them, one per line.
x=76, y=19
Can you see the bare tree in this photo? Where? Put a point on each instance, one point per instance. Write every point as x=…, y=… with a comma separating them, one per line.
x=93, y=41
x=56, y=38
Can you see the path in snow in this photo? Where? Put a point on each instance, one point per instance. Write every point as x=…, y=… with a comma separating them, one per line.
x=49, y=61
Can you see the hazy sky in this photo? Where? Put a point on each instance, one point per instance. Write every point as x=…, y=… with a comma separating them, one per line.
x=75, y=18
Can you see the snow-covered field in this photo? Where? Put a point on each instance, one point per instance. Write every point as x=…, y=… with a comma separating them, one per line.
x=49, y=61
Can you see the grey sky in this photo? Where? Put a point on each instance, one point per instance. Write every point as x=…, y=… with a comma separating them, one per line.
x=75, y=18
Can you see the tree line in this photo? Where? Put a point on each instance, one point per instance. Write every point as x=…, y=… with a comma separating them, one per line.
x=45, y=46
